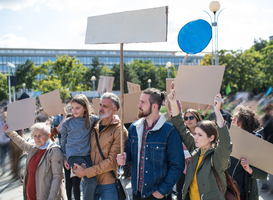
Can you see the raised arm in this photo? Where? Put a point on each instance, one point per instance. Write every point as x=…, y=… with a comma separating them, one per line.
x=221, y=158
x=18, y=140
x=178, y=122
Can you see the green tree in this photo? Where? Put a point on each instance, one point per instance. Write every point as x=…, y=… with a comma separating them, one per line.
x=68, y=70
x=162, y=73
x=128, y=75
x=3, y=87
x=53, y=83
x=259, y=44
x=267, y=65
x=146, y=70
x=26, y=73
x=106, y=71
x=95, y=70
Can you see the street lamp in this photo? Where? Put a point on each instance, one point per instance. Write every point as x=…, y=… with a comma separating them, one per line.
x=214, y=6
x=10, y=65
x=149, y=82
x=93, y=79
x=168, y=65
x=24, y=85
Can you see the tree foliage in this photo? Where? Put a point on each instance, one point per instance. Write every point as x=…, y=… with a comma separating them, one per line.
x=95, y=70
x=26, y=73
x=3, y=87
x=250, y=70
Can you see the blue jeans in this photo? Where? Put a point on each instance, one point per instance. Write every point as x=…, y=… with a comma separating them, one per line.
x=106, y=192
x=90, y=183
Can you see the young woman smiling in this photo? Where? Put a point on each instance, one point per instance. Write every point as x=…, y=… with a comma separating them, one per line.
x=200, y=182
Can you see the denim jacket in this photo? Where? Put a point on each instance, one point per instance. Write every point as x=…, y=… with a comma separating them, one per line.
x=164, y=158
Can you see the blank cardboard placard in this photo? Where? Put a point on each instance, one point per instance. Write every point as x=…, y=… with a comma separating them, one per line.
x=131, y=101
x=21, y=114
x=249, y=146
x=198, y=84
x=185, y=105
x=147, y=25
x=132, y=87
x=105, y=84
x=51, y=103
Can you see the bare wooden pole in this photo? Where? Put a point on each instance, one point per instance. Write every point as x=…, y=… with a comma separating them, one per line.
x=185, y=59
x=121, y=100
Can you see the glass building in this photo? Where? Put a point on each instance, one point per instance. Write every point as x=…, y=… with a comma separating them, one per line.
x=107, y=57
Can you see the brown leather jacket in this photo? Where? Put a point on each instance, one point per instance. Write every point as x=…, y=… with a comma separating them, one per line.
x=109, y=139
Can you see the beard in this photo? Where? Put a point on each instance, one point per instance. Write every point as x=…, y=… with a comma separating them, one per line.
x=144, y=113
x=103, y=115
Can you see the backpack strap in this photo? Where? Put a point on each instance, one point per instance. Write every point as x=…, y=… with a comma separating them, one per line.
x=97, y=140
x=216, y=176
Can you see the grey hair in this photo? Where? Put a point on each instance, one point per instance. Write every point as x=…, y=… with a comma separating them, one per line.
x=44, y=126
x=113, y=97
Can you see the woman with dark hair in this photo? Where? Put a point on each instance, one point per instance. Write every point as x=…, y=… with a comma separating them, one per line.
x=200, y=181
x=244, y=174
x=191, y=118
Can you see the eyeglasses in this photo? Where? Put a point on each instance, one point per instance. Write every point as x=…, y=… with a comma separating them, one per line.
x=190, y=117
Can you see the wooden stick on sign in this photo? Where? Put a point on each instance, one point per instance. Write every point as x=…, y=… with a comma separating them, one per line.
x=185, y=59
x=121, y=100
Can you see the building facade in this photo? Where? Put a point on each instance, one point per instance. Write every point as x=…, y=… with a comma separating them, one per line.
x=18, y=56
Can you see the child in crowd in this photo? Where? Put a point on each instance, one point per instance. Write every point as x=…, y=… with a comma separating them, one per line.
x=75, y=142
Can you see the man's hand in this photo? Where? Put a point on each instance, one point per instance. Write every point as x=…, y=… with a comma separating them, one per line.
x=246, y=166
x=121, y=159
x=66, y=165
x=157, y=195
x=78, y=170
x=115, y=119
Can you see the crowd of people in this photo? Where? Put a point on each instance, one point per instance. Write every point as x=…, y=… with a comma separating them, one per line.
x=80, y=151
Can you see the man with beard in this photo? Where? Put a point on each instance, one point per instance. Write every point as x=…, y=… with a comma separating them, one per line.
x=155, y=150
x=108, y=134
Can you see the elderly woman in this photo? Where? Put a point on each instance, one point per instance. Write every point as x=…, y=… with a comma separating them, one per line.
x=44, y=166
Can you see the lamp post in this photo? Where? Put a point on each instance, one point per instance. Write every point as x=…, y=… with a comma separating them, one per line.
x=149, y=82
x=93, y=79
x=10, y=65
x=168, y=65
x=24, y=86
x=214, y=6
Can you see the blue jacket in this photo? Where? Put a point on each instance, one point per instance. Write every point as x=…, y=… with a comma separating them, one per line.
x=164, y=157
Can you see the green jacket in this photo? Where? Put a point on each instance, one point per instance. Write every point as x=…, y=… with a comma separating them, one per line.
x=251, y=188
x=207, y=185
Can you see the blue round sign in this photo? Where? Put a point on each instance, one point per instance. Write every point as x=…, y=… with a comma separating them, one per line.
x=194, y=36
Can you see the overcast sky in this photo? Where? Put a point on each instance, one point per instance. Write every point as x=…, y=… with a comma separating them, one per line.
x=62, y=23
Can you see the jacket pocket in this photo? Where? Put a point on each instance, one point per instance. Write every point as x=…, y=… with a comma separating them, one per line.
x=212, y=195
x=158, y=152
x=133, y=145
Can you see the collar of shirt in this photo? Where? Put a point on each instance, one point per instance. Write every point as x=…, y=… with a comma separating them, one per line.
x=45, y=145
x=152, y=126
